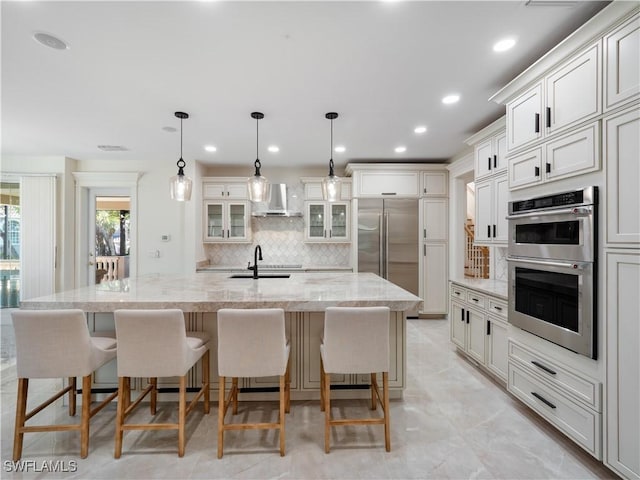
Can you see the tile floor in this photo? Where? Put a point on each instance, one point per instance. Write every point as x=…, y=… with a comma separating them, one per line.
x=453, y=422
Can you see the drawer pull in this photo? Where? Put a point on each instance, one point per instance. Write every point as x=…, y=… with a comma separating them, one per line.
x=475, y=299
x=457, y=293
x=546, y=369
x=543, y=400
x=498, y=308
x=388, y=193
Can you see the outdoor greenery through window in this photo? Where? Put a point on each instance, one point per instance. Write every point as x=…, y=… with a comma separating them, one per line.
x=112, y=232
x=9, y=244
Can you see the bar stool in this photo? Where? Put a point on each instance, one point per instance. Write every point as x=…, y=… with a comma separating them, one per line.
x=56, y=344
x=251, y=343
x=154, y=343
x=356, y=340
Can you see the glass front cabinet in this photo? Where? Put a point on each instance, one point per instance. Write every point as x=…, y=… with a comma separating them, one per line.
x=226, y=221
x=327, y=222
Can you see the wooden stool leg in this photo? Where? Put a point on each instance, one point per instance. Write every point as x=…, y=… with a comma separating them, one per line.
x=72, y=396
x=122, y=406
x=282, y=413
x=221, y=388
x=153, y=401
x=127, y=392
x=234, y=389
x=374, y=387
x=206, y=380
x=287, y=387
x=182, y=410
x=322, y=380
x=21, y=410
x=327, y=410
x=385, y=396
x=86, y=414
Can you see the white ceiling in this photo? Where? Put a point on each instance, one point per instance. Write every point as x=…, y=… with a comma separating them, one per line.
x=383, y=66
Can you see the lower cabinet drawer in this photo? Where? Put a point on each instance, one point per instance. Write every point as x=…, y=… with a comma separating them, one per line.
x=581, y=424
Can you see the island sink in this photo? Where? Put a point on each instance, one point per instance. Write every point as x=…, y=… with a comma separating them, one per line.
x=249, y=275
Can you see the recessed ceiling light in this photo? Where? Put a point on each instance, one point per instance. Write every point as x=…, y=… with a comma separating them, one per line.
x=420, y=129
x=400, y=149
x=273, y=148
x=449, y=99
x=210, y=148
x=340, y=149
x=504, y=44
x=50, y=41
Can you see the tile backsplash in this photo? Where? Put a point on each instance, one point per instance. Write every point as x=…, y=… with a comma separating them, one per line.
x=500, y=263
x=282, y=242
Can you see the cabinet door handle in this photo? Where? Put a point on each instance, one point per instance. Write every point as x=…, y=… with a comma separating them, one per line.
x=548, y=117
x=324, y=234
x=424, y=233
x=467, y=316
x=537, y=171
x=494, y=231
x=424, y=190
x=489, y=231
x=537, y=123
x=489, y=163
x=388, y=193
x=488, y=327
x=228, y=236
x=495, y=161
x=543, y=400
x=462, y=315
x=330, y=233
x=424, y=250
x=548, y=167
x=542, y=367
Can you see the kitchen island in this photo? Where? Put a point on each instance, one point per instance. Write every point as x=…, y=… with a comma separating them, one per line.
x=303, y=296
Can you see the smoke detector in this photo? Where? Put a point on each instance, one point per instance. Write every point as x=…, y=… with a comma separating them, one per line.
x=50, y=41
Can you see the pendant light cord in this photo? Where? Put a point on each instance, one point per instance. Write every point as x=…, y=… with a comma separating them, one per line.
x=257, y=163
x=181, y=163
x=331, y=174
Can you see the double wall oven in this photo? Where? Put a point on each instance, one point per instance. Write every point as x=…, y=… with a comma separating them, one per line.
x=553, y=268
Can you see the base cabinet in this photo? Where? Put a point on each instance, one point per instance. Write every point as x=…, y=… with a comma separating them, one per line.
x=623, y=367
x=479, y=329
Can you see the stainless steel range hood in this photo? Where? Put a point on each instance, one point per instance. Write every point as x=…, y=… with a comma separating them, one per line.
x=278, y=204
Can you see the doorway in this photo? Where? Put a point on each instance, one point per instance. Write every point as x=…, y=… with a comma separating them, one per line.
x=9, y=244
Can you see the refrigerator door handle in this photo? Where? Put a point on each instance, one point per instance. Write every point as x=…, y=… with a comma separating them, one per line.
x=386, y=245
x=382, y=253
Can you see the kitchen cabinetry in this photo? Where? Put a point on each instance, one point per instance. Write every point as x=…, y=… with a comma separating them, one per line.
x=478, y=325
x=226, y=221
x=622, y=64
x=434, y=270
x=622, y=150
x=227, y=188
x=572, y=154
x=567, y=399
x=623, y=369
x=435, y=184
x=491, y=210
x=327, y=222
x=490, y=156
x=569, y=94
x=435, y=214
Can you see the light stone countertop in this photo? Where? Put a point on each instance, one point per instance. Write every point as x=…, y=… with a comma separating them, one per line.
x=497, y=288
x=209, y=292
x=302, y=269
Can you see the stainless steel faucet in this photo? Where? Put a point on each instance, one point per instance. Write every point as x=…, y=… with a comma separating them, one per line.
x=257, y=255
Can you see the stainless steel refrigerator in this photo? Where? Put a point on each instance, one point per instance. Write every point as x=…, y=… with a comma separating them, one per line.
x=388, y=240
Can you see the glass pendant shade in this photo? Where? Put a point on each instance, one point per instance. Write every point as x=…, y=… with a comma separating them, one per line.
x=180, y=187
x=331, y=188
x=259, y=188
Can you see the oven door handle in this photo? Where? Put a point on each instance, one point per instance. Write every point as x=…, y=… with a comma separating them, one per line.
x=571, y=265
x=561, y=211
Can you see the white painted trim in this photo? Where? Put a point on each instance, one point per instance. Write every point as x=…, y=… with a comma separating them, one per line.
x=488, y=131
x=412, y=167
x=460, y=167
x=107, y=179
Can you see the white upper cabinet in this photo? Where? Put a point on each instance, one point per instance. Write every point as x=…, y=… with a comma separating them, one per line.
x=226, y=188
x=435, y=184
x=491, y=210
x=327, y=221
x=491, y=156
x=569, y=94
x=573, y=91
x=226, y=221
x=387, y=184
x=523, y=118
x=622, y=60
x=435, y=225
x=622, y=150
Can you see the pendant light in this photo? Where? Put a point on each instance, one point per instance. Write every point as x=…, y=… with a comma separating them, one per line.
x=180, y=183
x=259, y=187
x=331, y=184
